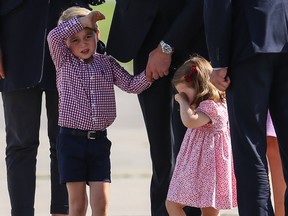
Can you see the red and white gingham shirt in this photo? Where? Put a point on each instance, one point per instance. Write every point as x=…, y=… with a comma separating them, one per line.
x=86, y=90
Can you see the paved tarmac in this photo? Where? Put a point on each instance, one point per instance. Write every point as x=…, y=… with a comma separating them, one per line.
x=131, y=165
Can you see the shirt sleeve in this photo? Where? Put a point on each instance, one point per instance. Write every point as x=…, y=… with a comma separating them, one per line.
x=127, y=82
x=56, y=40
x=186, y=27
x=218, y=28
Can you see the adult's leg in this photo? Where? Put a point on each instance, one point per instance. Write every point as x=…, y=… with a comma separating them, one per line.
x=59, y=196
x=22, y=111
x=279, y=111
x=248, y=99
x=157, y=108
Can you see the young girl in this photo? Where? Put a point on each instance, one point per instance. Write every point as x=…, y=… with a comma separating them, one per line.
x=85, y=81
x=203, y=175
x=278, y=184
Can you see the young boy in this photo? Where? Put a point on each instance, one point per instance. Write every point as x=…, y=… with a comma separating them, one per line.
x=85, y=81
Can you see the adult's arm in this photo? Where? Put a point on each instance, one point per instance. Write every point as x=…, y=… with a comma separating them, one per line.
x=187, y=25
x=184, y=30
x=218, y=28
x=5, y=7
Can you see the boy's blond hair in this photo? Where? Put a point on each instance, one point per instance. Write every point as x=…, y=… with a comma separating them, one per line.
x=74, y=11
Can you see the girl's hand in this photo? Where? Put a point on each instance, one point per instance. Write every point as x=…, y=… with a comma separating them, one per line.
x=181, y=97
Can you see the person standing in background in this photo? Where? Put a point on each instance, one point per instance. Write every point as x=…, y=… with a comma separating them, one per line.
x=276, y=170
x=27, y=72
x=159, y=35
x=248, y=48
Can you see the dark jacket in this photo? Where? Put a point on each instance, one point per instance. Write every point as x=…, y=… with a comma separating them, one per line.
x=23, y=28
x=236, y=29
x=138, y=23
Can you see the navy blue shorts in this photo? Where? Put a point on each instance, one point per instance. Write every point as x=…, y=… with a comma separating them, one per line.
x=82, y=159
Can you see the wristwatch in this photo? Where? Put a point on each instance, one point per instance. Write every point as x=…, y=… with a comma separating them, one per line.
x=166, y=48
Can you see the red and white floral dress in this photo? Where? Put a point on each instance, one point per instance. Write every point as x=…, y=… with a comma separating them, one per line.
x=204, y=173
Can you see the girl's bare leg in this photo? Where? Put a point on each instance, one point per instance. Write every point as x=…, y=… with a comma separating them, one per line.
x=210, y=211
x=175, y=209
x=277, y=178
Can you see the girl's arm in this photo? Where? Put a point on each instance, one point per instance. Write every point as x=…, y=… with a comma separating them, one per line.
x=189, y=116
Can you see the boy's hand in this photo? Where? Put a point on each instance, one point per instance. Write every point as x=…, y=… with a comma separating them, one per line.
x=90, y=20
x=95, y=16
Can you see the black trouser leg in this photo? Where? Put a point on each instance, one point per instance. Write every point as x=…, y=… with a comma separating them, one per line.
x=22, y=111
x=255, y=87
x=165, y=134
x=59, y=196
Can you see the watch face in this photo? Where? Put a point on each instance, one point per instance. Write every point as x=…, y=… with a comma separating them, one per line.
x=166, y=48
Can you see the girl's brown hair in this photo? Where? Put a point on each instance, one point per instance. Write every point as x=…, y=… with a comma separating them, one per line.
x=195, y=73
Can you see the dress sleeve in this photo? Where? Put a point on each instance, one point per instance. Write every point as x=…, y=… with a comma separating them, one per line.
x=209, y=108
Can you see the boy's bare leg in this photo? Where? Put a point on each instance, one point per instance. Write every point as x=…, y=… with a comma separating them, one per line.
x=99, y=196
x=78, y=200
